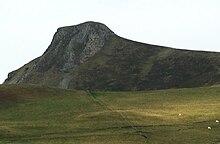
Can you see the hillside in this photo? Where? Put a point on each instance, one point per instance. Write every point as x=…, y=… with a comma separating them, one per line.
x=39, y=114
x=91, y=56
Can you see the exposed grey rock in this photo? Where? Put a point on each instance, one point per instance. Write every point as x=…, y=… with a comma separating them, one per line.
x=71, y=46
x=64, y=83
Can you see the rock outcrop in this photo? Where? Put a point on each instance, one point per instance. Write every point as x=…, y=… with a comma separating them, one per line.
x=71, y=46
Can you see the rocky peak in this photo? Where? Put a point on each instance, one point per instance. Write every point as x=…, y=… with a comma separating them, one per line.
x=82, y=32
x=73, y=45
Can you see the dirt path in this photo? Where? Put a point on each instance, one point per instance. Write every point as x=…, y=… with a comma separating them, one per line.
x=124, y=117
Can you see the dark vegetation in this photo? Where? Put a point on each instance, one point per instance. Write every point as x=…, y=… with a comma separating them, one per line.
x=126, y=65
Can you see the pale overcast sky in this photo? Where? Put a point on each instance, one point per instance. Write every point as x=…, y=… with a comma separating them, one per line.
x=27, y=26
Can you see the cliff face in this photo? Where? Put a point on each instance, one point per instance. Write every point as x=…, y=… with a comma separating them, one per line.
x=71, y=46
x=91, y=56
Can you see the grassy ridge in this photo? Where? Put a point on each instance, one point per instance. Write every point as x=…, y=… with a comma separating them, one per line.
x=37, y=114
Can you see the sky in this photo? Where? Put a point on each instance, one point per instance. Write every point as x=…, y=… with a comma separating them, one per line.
x=27, y=26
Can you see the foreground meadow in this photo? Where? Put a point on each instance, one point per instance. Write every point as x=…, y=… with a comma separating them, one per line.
x=40, y=115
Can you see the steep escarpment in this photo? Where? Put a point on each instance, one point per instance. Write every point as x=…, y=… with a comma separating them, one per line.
x=91, y=56
x=71, y=46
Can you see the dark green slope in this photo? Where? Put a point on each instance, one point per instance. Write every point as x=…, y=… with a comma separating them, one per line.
x=120, y=65
x=127, y=65
x=184, y=69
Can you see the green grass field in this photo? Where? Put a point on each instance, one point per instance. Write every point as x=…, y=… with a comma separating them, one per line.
x=32, y=114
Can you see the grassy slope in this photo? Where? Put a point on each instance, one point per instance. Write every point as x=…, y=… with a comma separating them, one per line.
x=125, y=65
x=121, y=65
x=33, y=114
